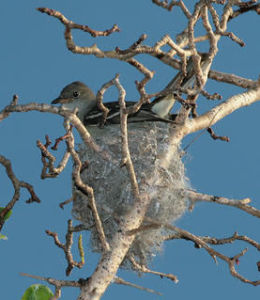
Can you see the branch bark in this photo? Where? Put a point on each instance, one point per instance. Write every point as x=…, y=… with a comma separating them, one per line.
x=222, y=110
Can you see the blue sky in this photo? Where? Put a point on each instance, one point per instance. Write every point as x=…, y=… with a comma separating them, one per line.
x=35, y=65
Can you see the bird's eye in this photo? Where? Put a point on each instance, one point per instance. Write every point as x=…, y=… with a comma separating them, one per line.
x=75, y=94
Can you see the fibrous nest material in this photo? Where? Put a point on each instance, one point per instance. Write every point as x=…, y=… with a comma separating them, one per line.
x=163, y=182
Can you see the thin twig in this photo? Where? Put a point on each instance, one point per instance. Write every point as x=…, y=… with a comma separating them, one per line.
x=67, y=248
x=195, y=197
x=17, y=185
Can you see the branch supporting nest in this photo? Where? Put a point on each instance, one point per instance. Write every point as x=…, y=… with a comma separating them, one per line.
x=185, y=46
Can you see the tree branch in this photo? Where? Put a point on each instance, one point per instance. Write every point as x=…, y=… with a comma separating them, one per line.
x=67, y=248
x=222, y=110
x=17, y=184
x=195, y=197
x=200, y=243
x=71, y=116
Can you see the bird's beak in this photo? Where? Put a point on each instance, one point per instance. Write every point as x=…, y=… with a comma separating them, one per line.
x=61, y=100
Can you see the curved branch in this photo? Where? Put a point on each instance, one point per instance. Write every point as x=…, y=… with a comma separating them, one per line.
x=222, y=110
x=71, y=116
x=200, y=243
x=17, y=185
x=195, y=197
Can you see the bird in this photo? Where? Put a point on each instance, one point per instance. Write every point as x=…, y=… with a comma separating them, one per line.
x=79, y=95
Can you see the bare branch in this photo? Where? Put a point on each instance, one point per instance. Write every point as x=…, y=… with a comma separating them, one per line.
x=200, y=243
x=72, y=25
x=169, y=6
x=60, y=139
x=222, y=110
x=73, y=119
x=17, y=184
x=62, y=204
x=53, y=281
x=100, y=104
x=218, y=241
x=195, y=197
x=67, y=248
x=219, y=30
x=84, y=188
x=144, y=269
x=57, y=283
x=119, y=280
x=29, y=187
x=126, y=157
x=245, y=7
x=217, y=137
x=232, y=79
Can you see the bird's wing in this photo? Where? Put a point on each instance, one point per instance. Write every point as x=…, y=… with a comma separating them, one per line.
x=94, y=117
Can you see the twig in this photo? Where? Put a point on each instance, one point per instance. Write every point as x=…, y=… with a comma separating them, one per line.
x=29, y=187
x=214, y=96
x=200, y=243
x=195, y=197
x=133, y=46
x=217, y=137
x=232, y=79
x=62, y=204
x=17, y=185
x=126, y=157
x=48, y=160
x=169, y=6
x=218, y=241
x=72, y=25
x=84, y=188
x=100, y=104
x=67, y=248
x=60, y=139
x=144, y=269
x=119, y=280
x=71, y=116
x=245, y=7
x=219, y=29
x=57, y=283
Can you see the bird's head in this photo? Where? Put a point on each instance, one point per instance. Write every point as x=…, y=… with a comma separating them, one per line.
x=77, y=95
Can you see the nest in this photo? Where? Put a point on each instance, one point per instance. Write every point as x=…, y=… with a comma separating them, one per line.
x=149, y=145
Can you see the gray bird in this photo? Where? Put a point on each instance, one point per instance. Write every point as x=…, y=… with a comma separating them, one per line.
x=78, y=95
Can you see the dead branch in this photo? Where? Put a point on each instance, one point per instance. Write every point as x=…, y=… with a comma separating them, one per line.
x=200, y=243
x=218, y=241
x=222, y=110
x=17, y=185
x=111, y=260
x=84, y=188
x=67, y=248
x=57, y=283
x=119, y=280
x=155, y=51
x=72, y=25
x=71, y=116
x=217, y=137
x=246, y=7
x=144, y=269
x=126, y=157
x=232, y=79
x=48, y=160
x=60, y=139
x=62, y=204
x=214, y=96
x=195, y=197
x=67, y=283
